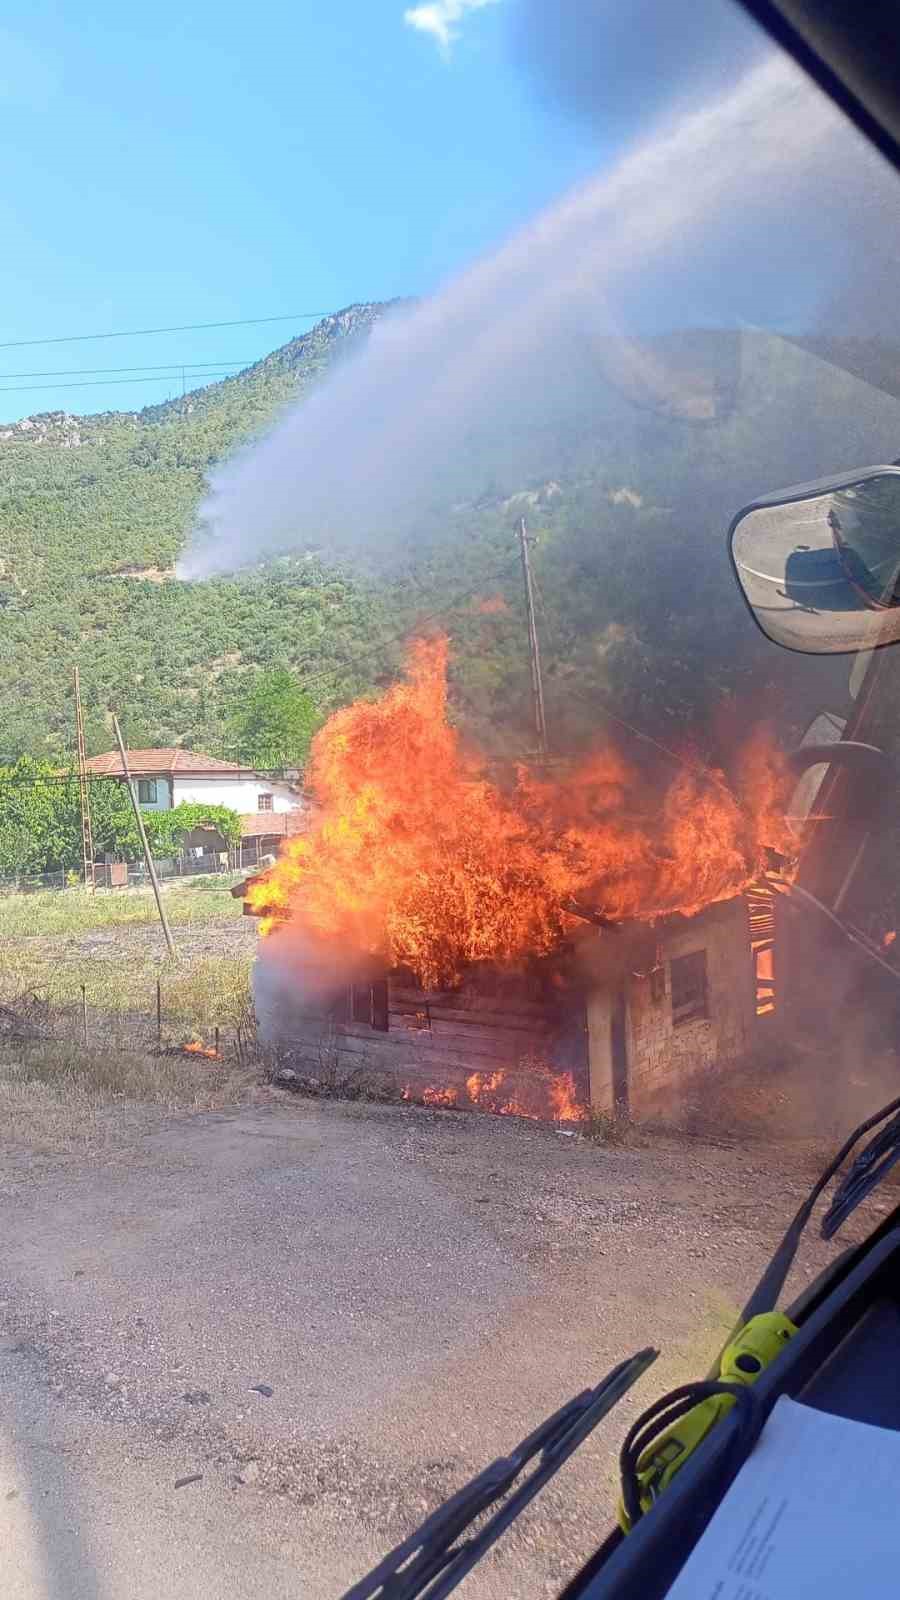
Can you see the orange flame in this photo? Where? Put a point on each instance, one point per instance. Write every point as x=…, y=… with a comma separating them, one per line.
x=563, y=1099
x=432, y=1097
x=196, y=1047
x=485, y=1089
x=415, y=859
x=534, y=1092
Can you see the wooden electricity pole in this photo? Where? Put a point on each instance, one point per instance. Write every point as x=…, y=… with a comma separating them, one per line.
x=537, y=685
x=87, y=837
x=148, y=859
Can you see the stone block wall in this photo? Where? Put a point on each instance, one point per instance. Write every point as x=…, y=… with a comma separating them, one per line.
x=663, y=1054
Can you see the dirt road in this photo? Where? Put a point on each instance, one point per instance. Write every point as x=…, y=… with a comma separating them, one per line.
x=328, y=1316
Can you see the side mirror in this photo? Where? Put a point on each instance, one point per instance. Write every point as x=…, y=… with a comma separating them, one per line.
x=819, y=564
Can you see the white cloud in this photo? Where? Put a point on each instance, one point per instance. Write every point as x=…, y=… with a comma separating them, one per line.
x=441, y=18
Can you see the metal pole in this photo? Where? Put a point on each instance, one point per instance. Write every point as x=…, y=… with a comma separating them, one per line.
x=87, y=840
x=84, y=1028
x=537, y=686
x=148, y=859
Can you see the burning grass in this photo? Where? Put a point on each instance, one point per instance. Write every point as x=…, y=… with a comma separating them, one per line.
x=57, y=1097
x=533, y=1090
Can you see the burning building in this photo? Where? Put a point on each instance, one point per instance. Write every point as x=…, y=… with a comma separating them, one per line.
x=545, y=1041
x=531, y=948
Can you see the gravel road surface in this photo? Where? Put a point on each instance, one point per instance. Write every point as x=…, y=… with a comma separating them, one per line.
x=325, y=1317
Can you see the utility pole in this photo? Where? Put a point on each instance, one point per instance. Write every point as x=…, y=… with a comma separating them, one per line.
x=87, y=837
x=148, y=859
x=537, y=685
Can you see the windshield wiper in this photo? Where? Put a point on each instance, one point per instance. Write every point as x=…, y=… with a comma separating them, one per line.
x=430, y=1563
x=864, y=1175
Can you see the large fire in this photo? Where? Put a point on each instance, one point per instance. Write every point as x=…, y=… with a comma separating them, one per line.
x=414, y=858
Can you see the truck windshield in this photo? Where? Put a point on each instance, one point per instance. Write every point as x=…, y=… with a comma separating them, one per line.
x=402, y=818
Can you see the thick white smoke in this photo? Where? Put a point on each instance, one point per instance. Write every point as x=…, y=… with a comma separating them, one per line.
x=744, y=209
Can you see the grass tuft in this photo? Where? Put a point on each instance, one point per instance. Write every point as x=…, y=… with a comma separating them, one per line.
x=59, y=1097
x=606, y=1127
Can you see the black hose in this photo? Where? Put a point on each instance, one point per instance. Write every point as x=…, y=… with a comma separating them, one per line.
x=660, y=1416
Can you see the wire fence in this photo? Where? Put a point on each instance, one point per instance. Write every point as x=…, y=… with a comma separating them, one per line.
x=168, y=1026
x=134, y=874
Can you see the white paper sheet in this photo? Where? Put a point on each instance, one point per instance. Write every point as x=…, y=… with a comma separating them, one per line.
x=814, y=1511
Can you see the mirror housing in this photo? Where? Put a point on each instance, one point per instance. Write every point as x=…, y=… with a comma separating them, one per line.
x=819, y=563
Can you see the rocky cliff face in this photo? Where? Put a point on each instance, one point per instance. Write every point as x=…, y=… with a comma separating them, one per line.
x=46, y=427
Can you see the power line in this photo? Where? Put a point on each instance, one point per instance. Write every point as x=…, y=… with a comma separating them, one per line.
x=55, y=778
x=274, y=774
x=105, y=383
x=184, y=327
x=145, y=366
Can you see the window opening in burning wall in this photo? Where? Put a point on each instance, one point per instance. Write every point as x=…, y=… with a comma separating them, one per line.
x=365, y=1003
x=378, y=992
x=264, y=802
x=689, y=988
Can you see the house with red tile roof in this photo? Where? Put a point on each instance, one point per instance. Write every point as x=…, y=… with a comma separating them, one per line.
x=270, y=809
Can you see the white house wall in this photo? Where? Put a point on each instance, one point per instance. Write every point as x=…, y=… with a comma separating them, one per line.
x=240, y=794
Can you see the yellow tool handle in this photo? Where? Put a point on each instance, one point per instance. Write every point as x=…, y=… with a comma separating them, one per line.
x=752, y=1350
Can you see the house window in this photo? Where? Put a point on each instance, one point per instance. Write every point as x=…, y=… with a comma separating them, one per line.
x=147, y=791
x=365, y=1003
x=264, y=802
x=689, y=997
x=379, y=992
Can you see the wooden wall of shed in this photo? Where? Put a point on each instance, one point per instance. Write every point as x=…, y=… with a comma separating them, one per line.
x=438, y=1039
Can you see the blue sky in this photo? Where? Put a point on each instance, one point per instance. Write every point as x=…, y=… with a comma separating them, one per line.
x=171, y=165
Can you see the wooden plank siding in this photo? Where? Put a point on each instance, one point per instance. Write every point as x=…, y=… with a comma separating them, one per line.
x=436, y=1040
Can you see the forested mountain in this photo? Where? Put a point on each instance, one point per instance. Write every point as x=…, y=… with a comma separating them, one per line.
x=93, y=512
x=627, y=497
